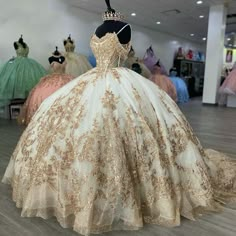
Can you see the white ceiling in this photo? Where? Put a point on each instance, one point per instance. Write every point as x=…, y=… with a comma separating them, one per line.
x=148, y=12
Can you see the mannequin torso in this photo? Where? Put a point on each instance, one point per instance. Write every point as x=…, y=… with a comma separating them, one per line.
x=111, y=26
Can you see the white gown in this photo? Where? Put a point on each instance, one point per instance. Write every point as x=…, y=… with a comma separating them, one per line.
x=110, y=150
x=76, y=64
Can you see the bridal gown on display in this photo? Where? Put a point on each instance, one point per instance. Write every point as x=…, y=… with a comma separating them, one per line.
x=132, y=59
x=150, y=59
x=180, y=86
x=77, y=64
x=110, y=150
x=163, y=81
x=165, y=84
x=19, y=75
x=47, y=86
x=228, y=87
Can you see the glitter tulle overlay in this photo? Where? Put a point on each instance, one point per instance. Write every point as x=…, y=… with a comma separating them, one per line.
x=110, y=150
x=19, y=76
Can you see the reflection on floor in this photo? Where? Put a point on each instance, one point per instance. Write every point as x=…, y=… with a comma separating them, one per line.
x=215, y=128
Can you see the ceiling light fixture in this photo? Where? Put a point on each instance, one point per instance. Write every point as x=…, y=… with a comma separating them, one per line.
x=191, y=35
x=199, y=2
x=201, y=16
x=228, y=39
x=133, y=14
x=230, y=45
x=158, y=22
x=204, y=39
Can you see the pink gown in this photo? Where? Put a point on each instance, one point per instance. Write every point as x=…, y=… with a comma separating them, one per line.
x=228, y=87
x=165, y=84
x=47, y=86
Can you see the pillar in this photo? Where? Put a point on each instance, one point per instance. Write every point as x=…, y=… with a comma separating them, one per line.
x=214, y=53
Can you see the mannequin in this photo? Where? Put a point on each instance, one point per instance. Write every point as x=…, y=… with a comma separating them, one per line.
x=47, y=86
x=76, y=63
x=180, y=86
x=112, y=151
x=228, y=87
x=163, y=81
x=133, y=59
x=19, y=75
x=56, y=57
x=111, y=26
x=20, y=41
x=68, y=40
x=150, y=60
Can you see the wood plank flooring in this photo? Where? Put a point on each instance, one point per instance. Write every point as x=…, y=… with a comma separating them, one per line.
x=215, y=127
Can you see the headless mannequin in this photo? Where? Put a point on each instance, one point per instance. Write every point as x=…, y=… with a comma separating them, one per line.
x=68, y=39
x=57, y=62
x=111, y=26
x=21, y=41
x=56, y=57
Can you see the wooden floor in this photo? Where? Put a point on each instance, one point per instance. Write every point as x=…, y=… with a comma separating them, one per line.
x=215, y=127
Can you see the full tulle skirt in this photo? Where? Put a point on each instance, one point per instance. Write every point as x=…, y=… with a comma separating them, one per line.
x=76, y=64
x=181, y=89
x=227, y=88
x=110, y=150
x=18, y=77
x=47, y=86
x=165, y=84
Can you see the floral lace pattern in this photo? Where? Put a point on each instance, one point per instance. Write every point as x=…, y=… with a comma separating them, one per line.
x=110, y=150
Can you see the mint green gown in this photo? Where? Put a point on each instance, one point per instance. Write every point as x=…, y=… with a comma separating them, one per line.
x=19, y=76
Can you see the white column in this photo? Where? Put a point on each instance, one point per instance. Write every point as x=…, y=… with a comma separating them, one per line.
x=215, y=49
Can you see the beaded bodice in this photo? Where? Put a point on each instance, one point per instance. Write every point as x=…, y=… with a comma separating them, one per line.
x=69, y=47
x=21, y=51
x=108, y=50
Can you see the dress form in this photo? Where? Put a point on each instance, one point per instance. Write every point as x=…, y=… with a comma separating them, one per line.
x=111, y=26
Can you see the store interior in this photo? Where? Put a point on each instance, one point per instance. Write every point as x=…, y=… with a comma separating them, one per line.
x=182, y=55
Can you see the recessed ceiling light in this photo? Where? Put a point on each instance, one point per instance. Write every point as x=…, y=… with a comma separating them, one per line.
x=133, y=14
x=191, y=35
x=228, y=39
x=201, y=16
x=204, y=39
x=199, y=2
x=158, y=22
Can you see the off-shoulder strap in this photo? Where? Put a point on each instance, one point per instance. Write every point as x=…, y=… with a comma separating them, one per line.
x=123, y=28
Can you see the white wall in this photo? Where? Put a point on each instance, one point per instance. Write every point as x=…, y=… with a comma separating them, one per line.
x=164, y=45
x=46, y=23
